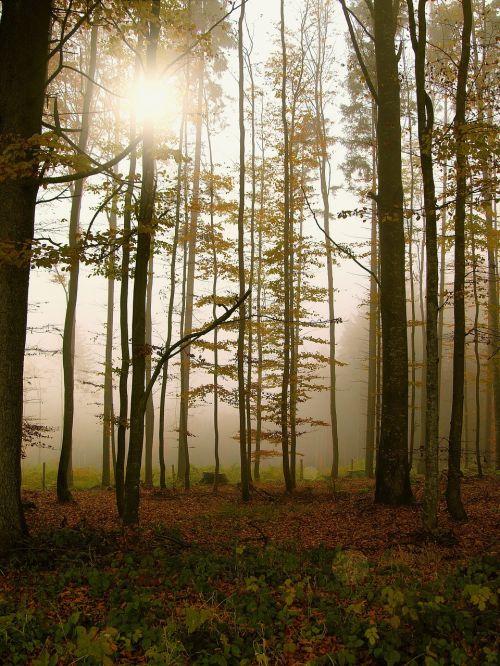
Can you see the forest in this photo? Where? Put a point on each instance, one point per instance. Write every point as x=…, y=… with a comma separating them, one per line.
x=250, y=348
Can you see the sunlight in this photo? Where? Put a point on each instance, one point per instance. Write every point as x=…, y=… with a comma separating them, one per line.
x=150, y=100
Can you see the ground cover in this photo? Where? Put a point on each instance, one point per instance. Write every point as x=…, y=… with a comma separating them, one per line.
x=322, y=577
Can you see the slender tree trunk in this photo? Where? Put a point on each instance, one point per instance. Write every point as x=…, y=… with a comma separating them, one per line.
x=170, y=311
x=392, y=477
x=285, y=435
x=183, y=460
x=477, y=383
x=107, y=423
x=371, y=406
x=124, y=341
x=248, y=396
x=245, y=480
x=150, y=410
x=258, y=298
x=139, y=349
x=442, y=267
x=413, y=358
x=453, y=496
x=68, y=352
x=425, y=114
x=215, y=280
x=24, y=37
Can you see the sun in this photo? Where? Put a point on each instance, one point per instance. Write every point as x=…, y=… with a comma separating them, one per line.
x=151, y=100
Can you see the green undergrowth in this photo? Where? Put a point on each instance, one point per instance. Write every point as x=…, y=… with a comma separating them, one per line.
x=85, y=478
x=79, y=597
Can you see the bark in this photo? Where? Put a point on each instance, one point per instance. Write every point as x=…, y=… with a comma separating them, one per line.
x=68, y=352
x=285, y=435
x=245, y=478
x=24, y=37
x=392, y=476
x=453, y=495
x=139, y=349
x=425, y=115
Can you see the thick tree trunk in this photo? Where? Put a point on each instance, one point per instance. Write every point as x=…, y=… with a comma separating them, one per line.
x=392, y=477
x=453, y=496
x=68, y=352
x=139, y=349
x=24, y=36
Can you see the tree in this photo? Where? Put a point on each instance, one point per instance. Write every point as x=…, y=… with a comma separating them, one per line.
x=24, y=45
x=245, y=476
x=453, y=497
x=392, y=474
x=425, y=115
x=63, y=490
x=138, y=397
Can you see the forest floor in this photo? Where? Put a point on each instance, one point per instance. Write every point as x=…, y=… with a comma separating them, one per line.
x=324, y=576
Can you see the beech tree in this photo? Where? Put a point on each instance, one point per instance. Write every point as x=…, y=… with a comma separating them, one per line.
x=24, y=48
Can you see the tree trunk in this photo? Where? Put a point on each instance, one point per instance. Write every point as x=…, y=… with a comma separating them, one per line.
x=124, y=341
x=477, y=383
x=183, y=456
x=139, y=349
x=245, y=480
x=425, y=114
x=170, y=312
x=371, y=404
x=24, y=36
x=68, y=352
x=150, y=410
x=453, y=496
x=107, y=423
x=286, y=267
x=392, y=477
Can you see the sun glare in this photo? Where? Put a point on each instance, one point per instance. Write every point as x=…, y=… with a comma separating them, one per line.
x=151, y=102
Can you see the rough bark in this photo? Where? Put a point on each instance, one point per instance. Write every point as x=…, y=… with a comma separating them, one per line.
x=24, y=36
x=392, y=476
